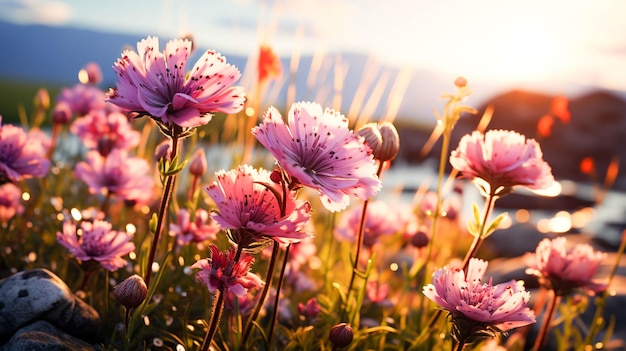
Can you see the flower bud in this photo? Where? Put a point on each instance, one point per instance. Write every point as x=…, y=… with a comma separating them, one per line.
x=390, y=142
x=164, y=151
x=131, y=292
x=42, y=99
x=105, y=145
x=90, y=74
x=62, y=113
x=341, y=335
x=460, y=82
x=420, y=239
x=198, y=164
x=372, y=137
x=311, y=309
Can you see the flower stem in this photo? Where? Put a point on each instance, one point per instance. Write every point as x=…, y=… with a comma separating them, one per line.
x=277, y=297
x=478, y=239
x=217, y=312
x=266, y=288
x=167, y=194
x=547, y=320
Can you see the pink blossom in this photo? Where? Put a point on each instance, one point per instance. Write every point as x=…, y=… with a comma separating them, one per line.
x=247, y=202
x=196, y=231
x=98, y=127
x=10, y=204
x=90, y=74
x=376, y=291
x=564, y=270
x=96, y=241
x=22, y=154
x=222, y=272
x=319, y=151
x=502, y=159
x=155, y=84
x=502, y=306
x=380, y=220
x=83, y=99
x=311, y=309
x=117, y=173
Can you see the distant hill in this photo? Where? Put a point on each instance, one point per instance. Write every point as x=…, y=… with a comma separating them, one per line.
x=44, y=55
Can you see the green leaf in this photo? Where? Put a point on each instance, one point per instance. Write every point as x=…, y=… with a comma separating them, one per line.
x=476, y=212
x=495, y=224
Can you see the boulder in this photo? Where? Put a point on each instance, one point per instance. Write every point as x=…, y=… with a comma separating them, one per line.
x=43, y=336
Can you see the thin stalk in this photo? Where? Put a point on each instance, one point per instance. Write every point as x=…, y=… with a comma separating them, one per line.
x=478, y=239
x=167, y=194
x=277, y=297
x=266, y=288
x=547, y=320
x=217, y=312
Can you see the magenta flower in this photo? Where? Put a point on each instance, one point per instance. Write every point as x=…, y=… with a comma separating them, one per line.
x=96, y=241
x=380, y=221
x=83, y=99
x=502, y=306
x=117, y=173
x=319, y=151
x=501, y=160
x=564, y=270
x=155, y=84
x=247, y=202
x=10, y=204
x=113, y=128
x=197, y=231
x=22, y=155
x=221, y=272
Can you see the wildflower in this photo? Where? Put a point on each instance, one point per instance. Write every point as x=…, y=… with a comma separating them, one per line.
x=221, y=272
x=379, y=221
x=269, y=64
x=476, y=305
x=310, y=309
x=376, y=291
x=83, y=98
x=99, y=125
x=117, y=173
x=420, y=239
x=131, y=292
x=197, y=231
x=500, y=160
x=10, y=205
x=96, y=241
x=248, y=204
x=62, y=113
x=42, y=99
x=317, y=150
x=163, y=151
x=155, y=84
x=564, y=270
x=341, y=335
x=22, y=155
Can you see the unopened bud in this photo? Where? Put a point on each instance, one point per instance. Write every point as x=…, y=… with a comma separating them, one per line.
x=341, y=335
x=372, y=137
x=460, y=82
x=164, y=151
x=391, y=142
x=420, y=239
x=311, y=309
x=42, y=99
x=62, y=113
x=131, y=292
x=198, y=164
x=105, y=145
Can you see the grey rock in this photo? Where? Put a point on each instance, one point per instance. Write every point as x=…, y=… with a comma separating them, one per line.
x=43, y=336
x=39, y=294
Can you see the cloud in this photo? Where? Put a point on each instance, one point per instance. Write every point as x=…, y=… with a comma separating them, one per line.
x=50, y=12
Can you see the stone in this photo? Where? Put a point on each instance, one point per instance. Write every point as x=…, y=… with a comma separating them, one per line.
x=43, y=336
x=39, y=294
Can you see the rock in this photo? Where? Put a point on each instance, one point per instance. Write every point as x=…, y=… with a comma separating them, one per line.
x=43, y=336
x=39, y=294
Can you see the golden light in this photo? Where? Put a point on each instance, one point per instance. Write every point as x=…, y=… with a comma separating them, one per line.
x=83, y=76
x=560, y=223
x=25, y=196
x=249, y=111
x=131, y=229
x=76, y=214
x=522, y=215
x=393, y=267
x=582, y=217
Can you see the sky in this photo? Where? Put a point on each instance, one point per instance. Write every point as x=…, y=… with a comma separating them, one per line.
x=560, y=41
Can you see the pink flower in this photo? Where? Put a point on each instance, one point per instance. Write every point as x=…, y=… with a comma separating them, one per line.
x=380, y=220
x=376, y=291
x=319, y=151
x=502, y=306
x=564, y=270
x=99, y=127
x=22, y=155
x=247, y=202
x=10, y=204
x=221, y=272
x=96, y=241
x=155, y=84
x=501, y=160
x=83, y=98
x=90, y=74
x=197, y=231
x=311, y=309
x=125, y=177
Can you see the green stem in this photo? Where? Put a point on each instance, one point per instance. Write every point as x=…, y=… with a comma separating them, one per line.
x=277, y=297
x=266, y=288
x=217, y=312
x=167, y=194
x=478, y=239
x=547, y=320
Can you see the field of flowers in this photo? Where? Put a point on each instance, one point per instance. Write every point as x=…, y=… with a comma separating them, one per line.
x=285, y=245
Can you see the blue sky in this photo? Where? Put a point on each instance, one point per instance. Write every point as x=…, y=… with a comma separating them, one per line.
x=556, y=41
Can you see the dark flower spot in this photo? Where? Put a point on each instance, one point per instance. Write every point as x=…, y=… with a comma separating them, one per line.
x=22, y=293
